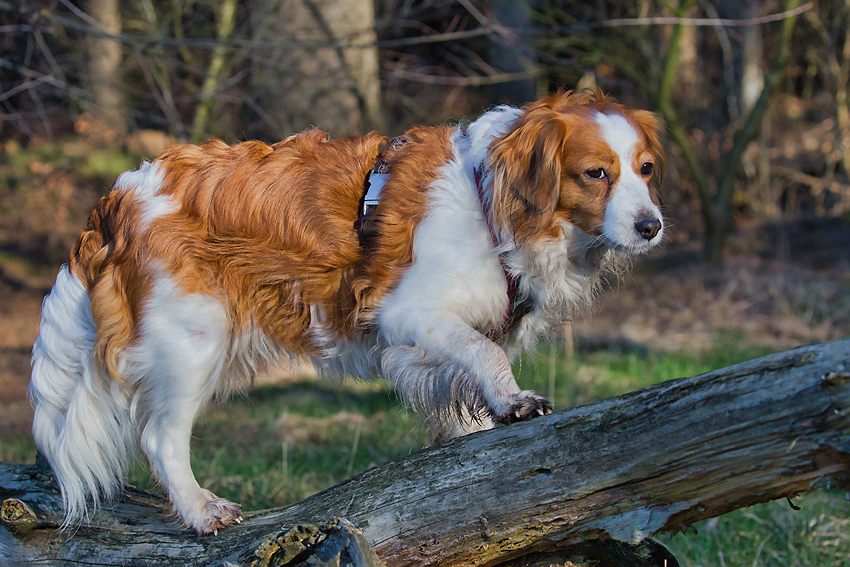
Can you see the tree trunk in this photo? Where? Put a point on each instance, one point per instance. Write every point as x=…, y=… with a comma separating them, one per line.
x=331, y=81
x=510, y=53
x=622, y=469
x=105, y=63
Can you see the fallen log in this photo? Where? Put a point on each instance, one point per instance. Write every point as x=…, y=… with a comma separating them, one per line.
x=622, y=469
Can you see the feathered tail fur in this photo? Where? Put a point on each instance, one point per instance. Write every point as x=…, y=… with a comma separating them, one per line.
x=82, y=418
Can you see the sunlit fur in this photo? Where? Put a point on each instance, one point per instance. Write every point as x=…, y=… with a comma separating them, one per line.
x=214, y=263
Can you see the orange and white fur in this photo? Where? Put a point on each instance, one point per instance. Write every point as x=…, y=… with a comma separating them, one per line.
x=213, y=263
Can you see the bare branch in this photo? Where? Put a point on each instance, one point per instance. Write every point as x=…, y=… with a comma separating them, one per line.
x=461, y=81
x=698, y=22
x=162, y=95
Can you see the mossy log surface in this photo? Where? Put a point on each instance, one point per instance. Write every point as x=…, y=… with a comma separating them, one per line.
x=619, y=470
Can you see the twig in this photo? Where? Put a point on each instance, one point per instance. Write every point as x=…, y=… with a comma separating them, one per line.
x=462, y=81
x=83, y=16
x=44, y=77
x=19, y=28
x=42, y=114
x=163, y=98
x=54, y=65
x=728, y=61
x=354, y=445
x=475, y=12
x=699, y=22
x=26, y=85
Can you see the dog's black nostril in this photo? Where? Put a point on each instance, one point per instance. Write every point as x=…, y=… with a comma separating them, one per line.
x=648, y=228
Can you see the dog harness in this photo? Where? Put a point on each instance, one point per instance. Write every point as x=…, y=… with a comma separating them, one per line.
x=518, y=306
x=367, y=229
x=366, y=225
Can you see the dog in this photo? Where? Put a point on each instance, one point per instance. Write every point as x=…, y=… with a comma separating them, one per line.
x=432, y=260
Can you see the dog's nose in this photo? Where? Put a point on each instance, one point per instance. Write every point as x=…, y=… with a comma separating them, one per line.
x=648, y=227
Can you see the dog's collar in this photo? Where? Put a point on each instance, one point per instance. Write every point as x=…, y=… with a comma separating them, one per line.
x=518, y=306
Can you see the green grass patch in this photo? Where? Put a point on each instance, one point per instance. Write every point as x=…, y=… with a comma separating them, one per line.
x=593, y=374
x=771, y=535
x=17, y=449
x=108, y=164
x=279, y=444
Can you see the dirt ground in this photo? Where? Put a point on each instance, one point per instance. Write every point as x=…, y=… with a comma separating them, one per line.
x=776, y=291
x=19, y=310
x=783, y=286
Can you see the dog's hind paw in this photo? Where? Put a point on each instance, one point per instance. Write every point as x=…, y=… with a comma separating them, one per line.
x=524, y=406
x=218, y=514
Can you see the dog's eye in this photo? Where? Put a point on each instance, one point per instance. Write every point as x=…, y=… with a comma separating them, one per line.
x=647, y=168
x=597, y=173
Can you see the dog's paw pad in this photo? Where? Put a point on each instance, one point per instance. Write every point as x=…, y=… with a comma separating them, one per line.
x=524, y=406
x=220, y=513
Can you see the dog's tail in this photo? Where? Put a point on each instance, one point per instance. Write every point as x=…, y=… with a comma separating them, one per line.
x=82, y=416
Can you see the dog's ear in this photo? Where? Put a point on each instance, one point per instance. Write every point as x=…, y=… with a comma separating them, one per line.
x=651, y=126
x=527, y=165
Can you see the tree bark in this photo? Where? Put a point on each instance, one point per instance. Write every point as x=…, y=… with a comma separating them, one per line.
x=104, y=68
x=622, y=469
x=331, y=81
x=511, y=53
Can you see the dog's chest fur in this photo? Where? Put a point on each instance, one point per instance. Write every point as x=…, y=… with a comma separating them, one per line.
x=454, y=267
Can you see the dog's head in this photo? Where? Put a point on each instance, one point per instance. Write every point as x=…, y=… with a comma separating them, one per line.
x=583, y=159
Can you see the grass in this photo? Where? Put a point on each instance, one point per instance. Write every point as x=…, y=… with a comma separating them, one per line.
x=279, y=444
x=17, y=449
x=771, y=535
x=19, y=163
x=593, y=375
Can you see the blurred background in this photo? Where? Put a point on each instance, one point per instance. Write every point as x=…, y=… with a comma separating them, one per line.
x=757, y=193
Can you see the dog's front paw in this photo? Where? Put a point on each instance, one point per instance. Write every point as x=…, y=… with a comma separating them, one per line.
x=218, y=514
x=524, y=406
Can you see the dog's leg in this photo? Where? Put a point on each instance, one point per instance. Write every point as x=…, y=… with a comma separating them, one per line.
x=450, y=369
x=181, y=354
x=446, y=397
x=166, y=443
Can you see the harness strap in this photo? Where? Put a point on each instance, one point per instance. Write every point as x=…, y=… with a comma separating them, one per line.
x=366, y=224
x=367, y=229
x=517, y=308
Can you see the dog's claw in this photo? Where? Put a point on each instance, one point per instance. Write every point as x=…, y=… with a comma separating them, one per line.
x=524, y=406
x=219, y=514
